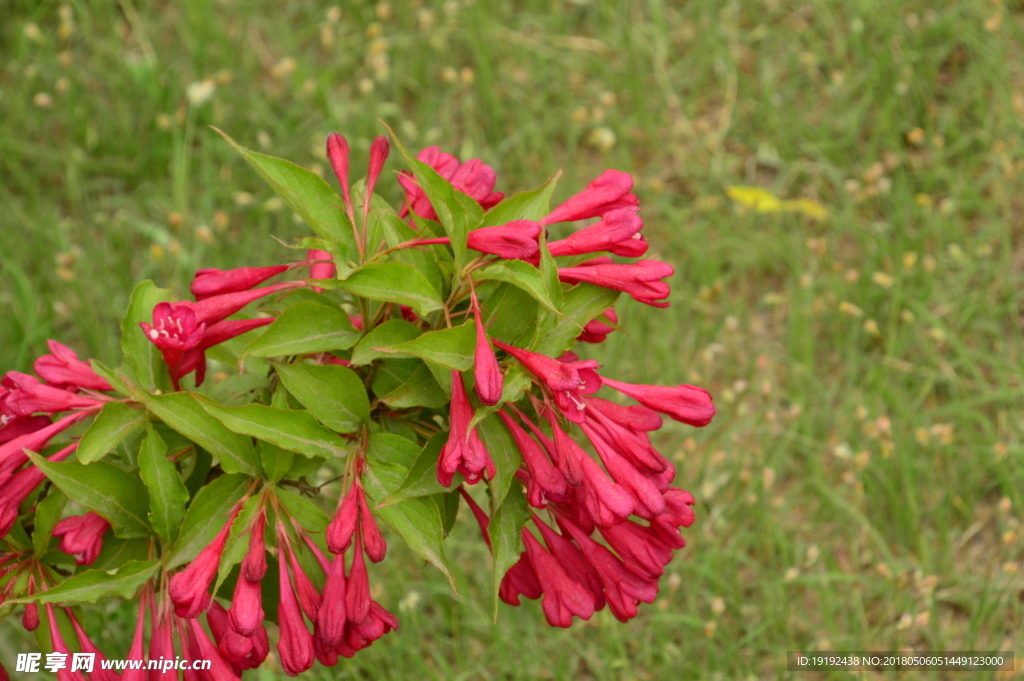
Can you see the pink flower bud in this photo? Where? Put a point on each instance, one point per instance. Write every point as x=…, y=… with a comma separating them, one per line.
x=220, y=669
x=567, y=381
x=295, y=643
x=161, y=644
x=464, y=452
x=520, y=580
x=482, y=519
x=16, y=426
x=609, y=191
x=357, y=594
x=343, y=525
x=517, y=240
x=254, y=565
x=30, y=617
x=647, y=497
x=634, y=445
x=641, y=550
x=337, y=154
x=486, y=372
x=81, y=536
x=563, y=596
x=573, y=562
x=541, y=469
x=684, y=403
x=216, y=308
x=641, y=279
x=214, y=282
x=570, y=454
x=309, y=597
x=12, y=455
x=473, y=178
x=379, y=150
x=332, y=615
x=634, y=417
x=28, y=396
x=595, y=331
x=618, y=231
x=87, y=646
x=373, y=541
x=606, y=501
x=321, y=270
x=136, y=651
x=63, y=369
x=189, y=589
x=246, y=613
x=59, y=646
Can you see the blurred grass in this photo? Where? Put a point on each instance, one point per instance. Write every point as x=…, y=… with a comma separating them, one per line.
x=861, y=486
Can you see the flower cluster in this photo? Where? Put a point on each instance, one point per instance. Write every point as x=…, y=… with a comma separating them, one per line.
x=402, y=348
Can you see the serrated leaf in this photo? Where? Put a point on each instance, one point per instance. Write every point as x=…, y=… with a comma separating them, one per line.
x=116, y=552
x=452, y=348
x=522, y=275
x=421, y=479
x=333, y=394
x=205, y=517
x=457, y=212
x=422, y=258
x=530, y=205
x=47, y=514
x=508, y=312
x=139, y=354
x=276, y=461
x=182, y=412
x=91, y=585
x=310, y=516
x=294, y=430
x=389, y=333
x=108, y=490
x=303, y=328
x=113, y=424
x=504, y=453
x=111, y=376
x=167, y=493
x=305, y=193
x=393, y=282
x=505, y=530
x=421, y=389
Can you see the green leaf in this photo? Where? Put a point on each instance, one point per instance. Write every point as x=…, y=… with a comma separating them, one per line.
x=506, y=456
x=276, y=461
x=114, y=422
x=116, y=552
x=333, y=394
x=421, y=389
x=520, y=274
x=303, y=328
x=103, y=488
x=531, y=205
x=452, y=348
x=457, y=212
x=110, y=376
x=305, y=193
x=389, y=333
x=206, y=516
x=424, y=258
x=91, y=585
x=421, y=480
x=294, y=430
x=182, y=412
x=301, y=467
x=392, y=373
x=391, y=456
x=506, y=529
x=393, y=282
x=582, y=303
x=47, y=514
x=140, y=355
x=167, y=493
x=310, y=516
x=508, y=312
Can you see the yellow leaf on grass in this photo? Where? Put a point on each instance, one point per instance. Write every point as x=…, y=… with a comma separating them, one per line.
x=763, y=201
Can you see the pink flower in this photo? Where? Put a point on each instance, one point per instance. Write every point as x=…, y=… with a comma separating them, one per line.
x=309, y=597
x=541, y=469
x=18, y=486
x=520, y=580
x=219, y=669
x=635, y=417
x=634, y=445
x=295, y=643
x=486, y=372
x=464, y=452
x=12, y=455
x=684, y=403
x=618, y=231
x=516, y=240
x=379, y=150
x=30, y=616
x=321, y=270
x=623, y=589
x=595, y=331
x=482, y=519
x=567, y=381
x=573, y=561
x=216, y=308
x=609, y=191
x=87, y=646
x=678, y=513
x=357, y=594
x=12, y=427
x=214, y=282
x=254, y=565
x=27, y=396
x=135, y=652
x=604, y=500
x=373, y=540
x=563, y=596
x=640, y=279
x=641, y=550
x=63, y=369
x=161, y=644
x=59, y=646
x=81, y=536
x=189, y=589
x=473, y=178
x=647, y=497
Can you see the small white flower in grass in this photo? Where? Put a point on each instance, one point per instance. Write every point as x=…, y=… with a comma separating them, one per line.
x=200, y=92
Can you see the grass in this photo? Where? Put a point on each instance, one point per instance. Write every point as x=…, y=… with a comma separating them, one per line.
x=861, y=486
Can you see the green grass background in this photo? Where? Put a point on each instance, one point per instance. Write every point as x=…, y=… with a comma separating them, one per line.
x=861, y=486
